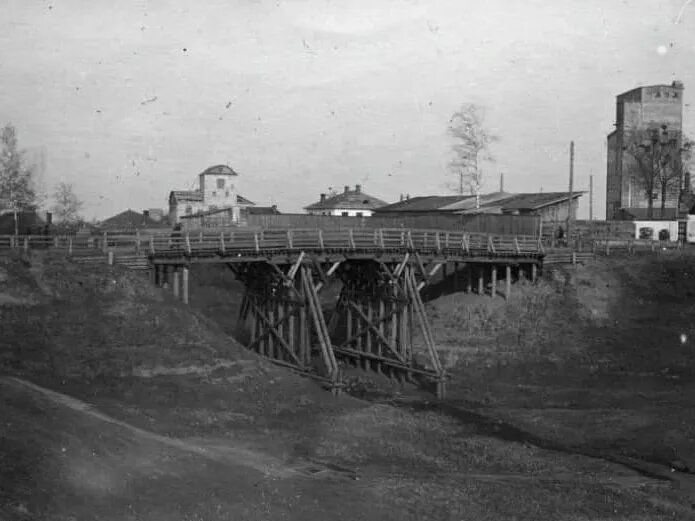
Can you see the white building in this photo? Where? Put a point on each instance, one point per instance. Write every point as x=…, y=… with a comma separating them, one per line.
x=351, y=203
x=217, y=190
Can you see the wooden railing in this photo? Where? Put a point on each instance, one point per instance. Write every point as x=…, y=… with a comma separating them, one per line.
x=362, y=239
x=270, y=240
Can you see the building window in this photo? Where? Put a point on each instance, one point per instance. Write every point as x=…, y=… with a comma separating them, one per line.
x=189, y=210
x=226, y=194
x=214, y=194
x=359, y=214
x=344, y=214
x=220, y=183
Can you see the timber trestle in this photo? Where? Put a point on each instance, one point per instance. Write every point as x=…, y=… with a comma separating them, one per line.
x=316, y=300
x=371, y=324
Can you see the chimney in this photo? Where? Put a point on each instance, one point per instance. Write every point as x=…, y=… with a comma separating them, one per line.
x=347, y=189
x=358, y=189
x=145, y=213
x=501, y=182
x=677, y=84
x=323, y=198
x=407, y=197
x=401, y=197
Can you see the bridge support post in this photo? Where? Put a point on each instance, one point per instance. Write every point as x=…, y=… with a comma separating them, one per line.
x=283, y=312
x=508, y=282
x=481, y=282
x=175, y=283
x=534, y=272
x=469, y=279
x=379, y=305
x=184, y=289
x=493, y=291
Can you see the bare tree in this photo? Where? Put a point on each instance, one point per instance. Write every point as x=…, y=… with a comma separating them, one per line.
x=67, y=205
x=471, y=149
x=16, y=176
x=658, y=154
x=685, y=164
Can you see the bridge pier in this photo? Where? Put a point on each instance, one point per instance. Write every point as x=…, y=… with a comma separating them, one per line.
x=371, y=325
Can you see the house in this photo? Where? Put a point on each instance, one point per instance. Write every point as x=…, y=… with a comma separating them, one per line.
x=216, y=191
x=551, y=206
x=128, y=221
x=350, y=203
x=28, y=223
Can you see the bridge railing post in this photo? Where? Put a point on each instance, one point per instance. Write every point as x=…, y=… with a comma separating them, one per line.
x=289, y=239
x=222, y=246
x=320, y=239
x=187, y=243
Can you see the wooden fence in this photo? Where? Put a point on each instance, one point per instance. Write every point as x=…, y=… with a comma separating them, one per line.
x=483, y=223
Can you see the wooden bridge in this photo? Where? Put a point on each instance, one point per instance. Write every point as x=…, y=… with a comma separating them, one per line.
x=381, y=273
x=378, y=319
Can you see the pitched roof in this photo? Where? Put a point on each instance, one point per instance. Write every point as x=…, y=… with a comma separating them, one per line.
x=469, y=202
x=349, y=200
x=219, y=170
x=534, y=201
x=187, y=195
x=497, y=201
x=129, y=219
x=243, y=200
x=427, y=203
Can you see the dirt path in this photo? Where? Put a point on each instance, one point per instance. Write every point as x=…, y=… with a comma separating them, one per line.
x=267, y=465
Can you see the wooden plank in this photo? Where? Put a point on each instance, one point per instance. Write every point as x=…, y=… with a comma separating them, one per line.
x=374, y=329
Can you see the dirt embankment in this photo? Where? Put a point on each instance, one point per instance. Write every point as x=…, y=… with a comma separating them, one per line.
x=163, y=371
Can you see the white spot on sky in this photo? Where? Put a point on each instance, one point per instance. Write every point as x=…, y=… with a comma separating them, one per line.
x=684, y=338
x=662, y=49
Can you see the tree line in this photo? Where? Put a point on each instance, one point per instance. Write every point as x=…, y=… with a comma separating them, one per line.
x=19, y=193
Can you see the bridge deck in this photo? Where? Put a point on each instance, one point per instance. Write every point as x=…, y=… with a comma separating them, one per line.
x=246, y=244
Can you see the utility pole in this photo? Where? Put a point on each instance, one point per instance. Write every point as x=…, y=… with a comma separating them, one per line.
x=591, y=197
x=569, y=214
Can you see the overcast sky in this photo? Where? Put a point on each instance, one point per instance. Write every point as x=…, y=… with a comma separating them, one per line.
x=129, y=100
